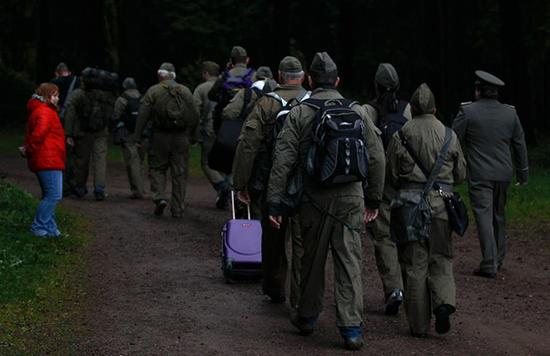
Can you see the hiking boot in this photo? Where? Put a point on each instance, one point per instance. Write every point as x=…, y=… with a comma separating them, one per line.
x=393, y=301
x=276, y=298
x=306, y=326
x=160, y=206
x=478, y=272
x=99, y=195
x=353, y=337
x=442, y=322
x=222, y=200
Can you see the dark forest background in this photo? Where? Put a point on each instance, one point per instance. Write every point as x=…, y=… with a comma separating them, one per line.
x=439, y=42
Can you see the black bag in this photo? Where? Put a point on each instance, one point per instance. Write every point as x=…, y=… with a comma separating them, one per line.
x=391, y=123
x=458, y=213
x=131, y=112
x=120, y=133
x=222, y=153
x=411, y=215
x=339, y=150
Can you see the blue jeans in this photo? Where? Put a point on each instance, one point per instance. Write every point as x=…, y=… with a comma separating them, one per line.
x=51, y=183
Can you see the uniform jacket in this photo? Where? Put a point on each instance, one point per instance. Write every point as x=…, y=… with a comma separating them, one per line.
x=233, y=110
x=373, y=113
x=205, y=107
x=257, y=126
x=291, y=149
x=425, y=134
x=487, y=130
x=154, y=102
x=44, y=138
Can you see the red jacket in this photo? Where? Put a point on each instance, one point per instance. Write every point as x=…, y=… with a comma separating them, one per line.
x=44, y=138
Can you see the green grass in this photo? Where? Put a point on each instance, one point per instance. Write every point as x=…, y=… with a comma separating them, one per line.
x=39, y=291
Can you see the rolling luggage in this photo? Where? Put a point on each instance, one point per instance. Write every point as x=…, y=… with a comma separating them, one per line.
x=241, y=247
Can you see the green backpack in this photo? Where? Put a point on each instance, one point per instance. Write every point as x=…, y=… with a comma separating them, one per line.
x=172, y=109
x=96, y=110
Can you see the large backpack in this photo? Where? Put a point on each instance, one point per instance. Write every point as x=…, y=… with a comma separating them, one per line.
x=171, y=109
x=230, y=86
x=339, y=150
x=391, y=123
x=96, y=109
x=131, y=112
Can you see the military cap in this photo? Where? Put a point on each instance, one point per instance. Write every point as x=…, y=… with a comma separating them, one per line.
x=238, y=51
x=386, y=76
x=290, y=64
x=169, y=67
x=61, y=67
x=210, y=67
x=129, y=83
x=423, y=100
x=264, y=72
x=487, y=79
x=323, y=69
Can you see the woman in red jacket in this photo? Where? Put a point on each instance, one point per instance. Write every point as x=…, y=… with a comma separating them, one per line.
x=45, y=151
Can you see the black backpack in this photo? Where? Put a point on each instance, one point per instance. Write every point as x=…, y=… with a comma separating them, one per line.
x=96, y=110
x=339, y=150
x=130, y=115
x=391, y=123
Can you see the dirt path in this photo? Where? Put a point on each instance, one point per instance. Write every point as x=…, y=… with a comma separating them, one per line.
x=155, y=288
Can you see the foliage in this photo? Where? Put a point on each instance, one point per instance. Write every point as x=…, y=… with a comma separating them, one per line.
x=39, y=293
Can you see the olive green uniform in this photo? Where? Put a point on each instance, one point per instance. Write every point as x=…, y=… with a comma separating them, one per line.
x=205, y=107
x=169, y=147
x=323, y=211
x=426, y=265
x=487, y=130
x=132, y=154
x=385, y=250
x=255, y=144
x=90, y=149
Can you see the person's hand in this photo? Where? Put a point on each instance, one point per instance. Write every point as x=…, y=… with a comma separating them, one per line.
x=22, y=151
x=519, y=184
x=243, y=196
x=70, y=141
x=369, y=215
x=275, y=221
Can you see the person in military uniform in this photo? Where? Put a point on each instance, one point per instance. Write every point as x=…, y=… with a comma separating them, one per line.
x=210, y=71
x=330, y=217
x=170, y=139
x=251, y=171
x=132, y=154
x=487, y=130
x=382, y=110
x=242, y=103
x=427, y=265
x=89, y=110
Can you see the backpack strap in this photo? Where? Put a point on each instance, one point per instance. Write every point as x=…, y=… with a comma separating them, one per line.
x=277, y=97
x=430, y=175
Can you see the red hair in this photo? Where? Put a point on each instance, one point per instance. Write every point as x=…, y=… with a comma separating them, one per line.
x=47, y=90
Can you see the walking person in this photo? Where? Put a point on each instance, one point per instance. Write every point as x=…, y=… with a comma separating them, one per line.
x=45, y=151
x=488, y=130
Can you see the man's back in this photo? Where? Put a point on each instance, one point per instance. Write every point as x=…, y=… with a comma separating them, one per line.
x=486, y=129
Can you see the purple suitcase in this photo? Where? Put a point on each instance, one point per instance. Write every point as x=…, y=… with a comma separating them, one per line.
x=241, y=247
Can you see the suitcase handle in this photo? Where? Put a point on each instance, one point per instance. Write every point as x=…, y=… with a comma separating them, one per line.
x=233, y=206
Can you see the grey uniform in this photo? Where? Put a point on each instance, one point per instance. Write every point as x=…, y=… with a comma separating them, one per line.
x=488, y=130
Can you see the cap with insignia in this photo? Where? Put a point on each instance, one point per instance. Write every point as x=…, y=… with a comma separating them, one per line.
x=484, y=78
x=238, y=52
x=290, y=64
x=323, y=69
x=423, y=100
x=264, y=72
x=386, y=76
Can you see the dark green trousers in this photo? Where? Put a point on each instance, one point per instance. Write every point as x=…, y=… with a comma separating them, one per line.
x=488, y=200
x=428, y=278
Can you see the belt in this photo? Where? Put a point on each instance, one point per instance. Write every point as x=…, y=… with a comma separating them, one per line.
x=420, y=186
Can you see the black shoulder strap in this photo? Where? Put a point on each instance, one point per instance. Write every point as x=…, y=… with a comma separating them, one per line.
x=430, y=175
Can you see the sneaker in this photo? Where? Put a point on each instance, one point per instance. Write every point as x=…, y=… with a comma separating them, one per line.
x=478, y=272
x=160, y=206
x=306, y=326
x=353, y=337
x=393, y=301
x=442, y=320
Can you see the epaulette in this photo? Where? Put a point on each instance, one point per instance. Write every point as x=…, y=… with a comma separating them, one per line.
x=465, y=103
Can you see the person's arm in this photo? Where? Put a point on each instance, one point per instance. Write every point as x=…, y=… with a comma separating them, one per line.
x=40, y=128
x=120, y=107
x=233, y=109
x=284, y=160
x=145, y=108
x=214, y=91
x=459, y=168
x=71, y=113
x=193, y=113
x=520, y=153
x=460, y=125
x=395, y=150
